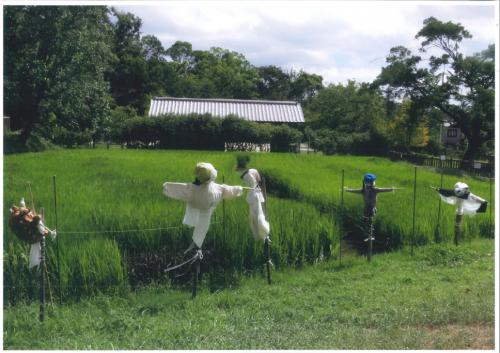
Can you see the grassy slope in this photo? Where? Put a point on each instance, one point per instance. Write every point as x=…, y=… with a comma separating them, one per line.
x=441, y=298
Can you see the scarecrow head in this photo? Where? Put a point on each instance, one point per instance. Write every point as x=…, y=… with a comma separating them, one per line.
x=461, y=190
x=251, y=177
x=204, y=173
x=369, y=180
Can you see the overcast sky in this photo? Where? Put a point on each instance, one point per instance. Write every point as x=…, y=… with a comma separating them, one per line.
x=338, y=40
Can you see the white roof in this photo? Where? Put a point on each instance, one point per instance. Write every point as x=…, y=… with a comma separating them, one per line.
x=253, y=110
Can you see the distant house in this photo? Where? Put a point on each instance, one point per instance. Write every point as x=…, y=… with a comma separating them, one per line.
x=450, y=135
x=252, y=110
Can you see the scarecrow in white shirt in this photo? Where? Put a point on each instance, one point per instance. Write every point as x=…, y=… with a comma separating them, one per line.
x=258, y=224
x=202, y=197
x=467, y=203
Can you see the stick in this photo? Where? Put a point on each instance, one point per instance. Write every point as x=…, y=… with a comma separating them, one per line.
x=32, y=199
x=195, y=277
x=57, y=241
x=438, y=226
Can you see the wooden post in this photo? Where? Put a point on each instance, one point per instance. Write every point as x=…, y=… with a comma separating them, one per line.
x=57, y=242
x=492, y=231
x=414, y=210
x=224, y=236
x=370, y=238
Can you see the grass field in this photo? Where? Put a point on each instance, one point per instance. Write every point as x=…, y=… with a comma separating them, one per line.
x=442, y=298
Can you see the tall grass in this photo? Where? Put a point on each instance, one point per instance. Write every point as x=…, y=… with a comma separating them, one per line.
x=114, y=191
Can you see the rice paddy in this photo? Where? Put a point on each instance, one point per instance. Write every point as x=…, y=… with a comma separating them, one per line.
x=104, y=196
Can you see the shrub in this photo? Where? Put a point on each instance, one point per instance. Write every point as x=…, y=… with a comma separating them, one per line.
x=242, y=161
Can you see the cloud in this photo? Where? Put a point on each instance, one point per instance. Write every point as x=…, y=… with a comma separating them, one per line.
x=338, y=40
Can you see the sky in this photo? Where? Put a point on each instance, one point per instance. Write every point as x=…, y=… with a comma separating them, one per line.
x=337, y=40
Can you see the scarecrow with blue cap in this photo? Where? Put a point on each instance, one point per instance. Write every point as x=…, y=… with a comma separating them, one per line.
x=370, y=192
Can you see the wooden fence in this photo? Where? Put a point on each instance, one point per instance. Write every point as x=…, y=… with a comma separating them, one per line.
x=482, y=168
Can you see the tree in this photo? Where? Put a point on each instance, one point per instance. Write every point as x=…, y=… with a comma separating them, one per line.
x=462, y=87
x=304, y=86
x=273, y=83
x=55, y=59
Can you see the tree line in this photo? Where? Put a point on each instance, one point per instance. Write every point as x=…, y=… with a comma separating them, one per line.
x=75, y=73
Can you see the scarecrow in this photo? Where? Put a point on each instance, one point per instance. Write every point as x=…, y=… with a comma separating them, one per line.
x=29, y=227
x=467, y=203
x=258, y=224
x=201, y=197
x=369, y=193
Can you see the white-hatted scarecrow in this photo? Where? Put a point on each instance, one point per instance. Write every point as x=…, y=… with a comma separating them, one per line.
x=28, y=226
x=467, y=204
x=201, y=197
x=369, y=193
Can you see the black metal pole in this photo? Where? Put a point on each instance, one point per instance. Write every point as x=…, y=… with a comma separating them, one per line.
x=342, y=208
x=224, y=236
x=268, y=259
x=414, y=210
x=492, y=232
x=267, y=245
x=42, y=279
x=195, y=277
x=438, y=226
x=57, y=241
x=370, y=238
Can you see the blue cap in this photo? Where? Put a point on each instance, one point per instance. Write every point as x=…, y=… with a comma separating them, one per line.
x=369, y=178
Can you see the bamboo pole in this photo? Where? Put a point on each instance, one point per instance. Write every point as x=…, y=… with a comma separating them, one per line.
x=267, y=245
x=42, y=280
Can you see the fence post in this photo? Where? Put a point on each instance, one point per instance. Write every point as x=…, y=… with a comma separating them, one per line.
x=57, y=241
x=414, y=210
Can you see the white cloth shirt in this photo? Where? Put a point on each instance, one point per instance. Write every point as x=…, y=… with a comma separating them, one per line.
x=201, y=201
x=258, y=225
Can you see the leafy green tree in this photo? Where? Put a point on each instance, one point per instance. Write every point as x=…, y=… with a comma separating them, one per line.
x=461, y=87
x=55, y=58
x=273, y=83
x=304, y=86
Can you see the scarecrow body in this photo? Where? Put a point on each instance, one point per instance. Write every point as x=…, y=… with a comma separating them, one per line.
x=467, y=203
x=258, y=224
x=369, y=193
x=29, y=227
x=201, y=198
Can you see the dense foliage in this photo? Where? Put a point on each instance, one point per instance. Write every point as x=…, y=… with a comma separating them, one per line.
x=197, y=131
x=80, y=73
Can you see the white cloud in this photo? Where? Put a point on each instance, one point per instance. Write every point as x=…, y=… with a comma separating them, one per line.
x=338, y=40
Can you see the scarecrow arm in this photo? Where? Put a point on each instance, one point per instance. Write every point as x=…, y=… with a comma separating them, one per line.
x=231, y=192
x=178, y=191
x=356, y=191
x=384, y=189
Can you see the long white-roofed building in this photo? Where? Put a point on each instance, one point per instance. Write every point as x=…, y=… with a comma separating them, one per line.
x=288, y=112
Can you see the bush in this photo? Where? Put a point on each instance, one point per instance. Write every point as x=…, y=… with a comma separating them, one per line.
x=13, y=144
x=283, y=137
x=242, y=161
